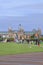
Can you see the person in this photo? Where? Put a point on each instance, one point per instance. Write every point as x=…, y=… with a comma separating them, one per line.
x=38, y=42
x=37, y=39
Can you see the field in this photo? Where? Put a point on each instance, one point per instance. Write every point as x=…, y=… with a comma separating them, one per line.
x=19, y=48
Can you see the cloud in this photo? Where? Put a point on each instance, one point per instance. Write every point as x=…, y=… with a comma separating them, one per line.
x=6, y=4
x=20, y=7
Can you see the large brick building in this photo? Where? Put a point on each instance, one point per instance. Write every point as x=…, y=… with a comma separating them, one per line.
x=20, y=33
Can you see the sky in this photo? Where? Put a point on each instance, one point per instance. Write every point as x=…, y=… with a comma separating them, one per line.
x=28, y=13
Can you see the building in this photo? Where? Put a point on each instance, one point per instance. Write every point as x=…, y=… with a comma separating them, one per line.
x=20, y=33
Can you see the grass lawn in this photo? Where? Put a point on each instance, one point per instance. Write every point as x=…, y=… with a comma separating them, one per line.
x=14, y=48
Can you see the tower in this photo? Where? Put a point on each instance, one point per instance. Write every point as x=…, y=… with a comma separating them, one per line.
x=10, y=32
x=20, y=28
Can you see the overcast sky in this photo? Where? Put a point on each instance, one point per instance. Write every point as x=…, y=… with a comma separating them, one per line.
x=29, y=13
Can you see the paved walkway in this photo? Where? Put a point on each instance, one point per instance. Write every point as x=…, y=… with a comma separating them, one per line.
x=22, y=59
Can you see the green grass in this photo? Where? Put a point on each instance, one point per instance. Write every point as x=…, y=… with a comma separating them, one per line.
x=14, y=48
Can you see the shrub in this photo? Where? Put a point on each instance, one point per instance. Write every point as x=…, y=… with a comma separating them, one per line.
x=41, y=39
x=10, y=39
x=1, y=39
